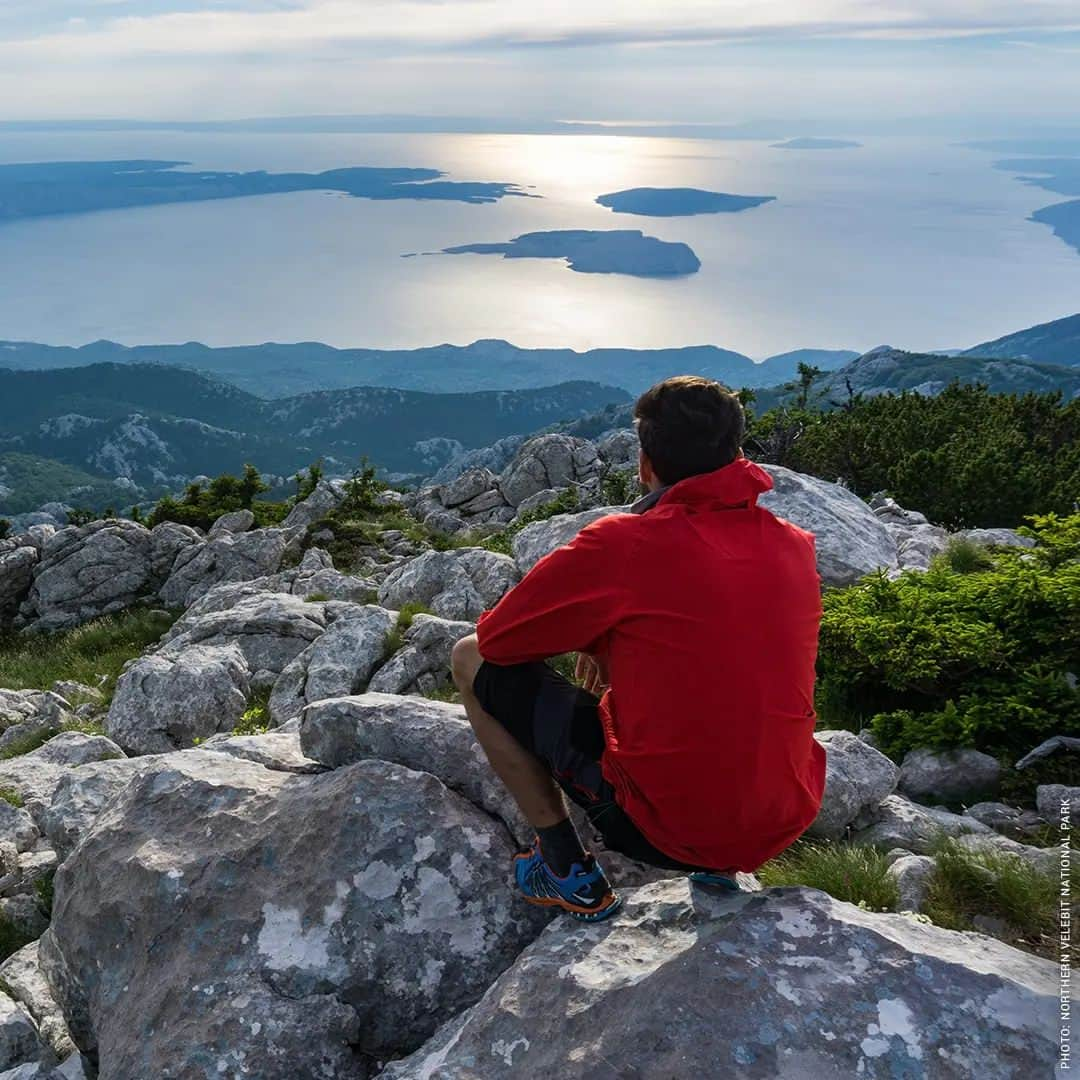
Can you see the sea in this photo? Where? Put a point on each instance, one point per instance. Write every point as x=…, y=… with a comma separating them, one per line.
x=912, y=242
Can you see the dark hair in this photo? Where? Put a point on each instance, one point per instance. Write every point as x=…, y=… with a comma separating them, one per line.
x=689, y=425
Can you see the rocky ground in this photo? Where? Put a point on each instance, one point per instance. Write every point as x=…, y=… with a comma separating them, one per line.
x=330, y=897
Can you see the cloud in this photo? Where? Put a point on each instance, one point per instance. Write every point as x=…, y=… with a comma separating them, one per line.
x=128, y=27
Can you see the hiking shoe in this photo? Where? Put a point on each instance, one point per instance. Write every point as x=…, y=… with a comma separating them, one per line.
x=720, y=881
x=584, y=893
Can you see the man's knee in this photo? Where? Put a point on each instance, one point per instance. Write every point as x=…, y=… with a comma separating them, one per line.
x=465, y=661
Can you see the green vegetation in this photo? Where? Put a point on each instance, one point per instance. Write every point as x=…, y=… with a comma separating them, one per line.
x=565, y=502
x=396, y=636
x=11, y=796
x=35, y=480
x=848, y=872
x=43, y=891
x=967, y=884
x=977, y=656
x=94, y=651
x=965, y=457
x=620, y=486
x=12, y=937
x=255, y=720
x=201, y=506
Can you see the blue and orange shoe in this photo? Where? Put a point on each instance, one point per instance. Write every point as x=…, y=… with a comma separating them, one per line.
x=584, y=893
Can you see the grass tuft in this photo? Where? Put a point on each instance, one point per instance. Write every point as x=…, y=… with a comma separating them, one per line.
x=848, y=872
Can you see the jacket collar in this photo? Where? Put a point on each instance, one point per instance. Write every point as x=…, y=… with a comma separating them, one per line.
x=736, y=485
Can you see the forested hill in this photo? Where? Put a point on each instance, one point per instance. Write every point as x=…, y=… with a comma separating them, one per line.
x=1056, y=342
x=152, y=423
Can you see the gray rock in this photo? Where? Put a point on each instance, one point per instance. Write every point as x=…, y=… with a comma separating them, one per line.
x=456, y=584
x=892, y=513
x=1007, y=820
x=302, y=925
x=19, y=907
x=997, y=537
x=167, y=540
x=19, y=1040
x=225, y=558
x=851, y=541
x=548, y=461
x=483, y=504
x=918, y=545
x=542, y=537
x=34, y=776
x=1050, y=800
x=21, y=976
x=316, y=506
x=316, y=576
x=270, y=629
x=785, y=983
x=1045, y=860
x=857, y=779
x=77, y=693
x=168, y=700
x=429, y=736
x=279, y=750
x=423, y=665
x=466, y=487
x=17, y=827
x=912, y=874
x=443, y=521
x=17, y=564
x=619, y=447
x=89, y=571
x=339, y=662
x=79, y=797
x=72, y=1069
x=952, y=776
x=238, y=521
x=898, y=822
x=18, y=706
x=495, y=457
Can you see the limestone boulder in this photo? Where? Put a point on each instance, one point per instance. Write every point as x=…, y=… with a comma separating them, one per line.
x=429, y=736
x=857, y=779
x=34, y=776
x=17, y=562
x=1008, y=820
x=301, y=925
x=19, y=1040
x=899, y=823
x=851, y=540
x=997, y=538
x=324, y=499
x=88, y=571
x=423, y=664
x=270, y=629
x=1058, y=802
x=167, y=540
x=548, y=461
x=337, y=663
x=912, y=874
x=782, y=983
x=236, y=521
x=169, y=700
x=227, y=557
x=470, y=485
x=22, y=978
x=457, y=584
x=619, y=446
x=278, y=749
x=542, y=537
x=949, y=776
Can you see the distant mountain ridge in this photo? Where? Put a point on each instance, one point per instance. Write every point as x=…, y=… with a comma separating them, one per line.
x=1056, y=342
x=159, y=425
x=279, y=370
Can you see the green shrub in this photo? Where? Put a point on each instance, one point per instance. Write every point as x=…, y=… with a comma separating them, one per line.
x=565, y=502
x=964, y=457
x=86, y=654
x=620, y=486
x=946, y=658
x=857, y=874
x=11, y=796
x=255, y=719
x=201, y=506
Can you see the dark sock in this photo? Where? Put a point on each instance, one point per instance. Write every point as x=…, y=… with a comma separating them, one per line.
x=561, y=846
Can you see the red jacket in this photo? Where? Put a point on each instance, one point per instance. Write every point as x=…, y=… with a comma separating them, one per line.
x=706, y=609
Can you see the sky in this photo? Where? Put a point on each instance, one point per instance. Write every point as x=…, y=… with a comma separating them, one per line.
x=827, y=66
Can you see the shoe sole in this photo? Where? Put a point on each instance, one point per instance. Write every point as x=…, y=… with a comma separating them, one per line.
x=581, y=914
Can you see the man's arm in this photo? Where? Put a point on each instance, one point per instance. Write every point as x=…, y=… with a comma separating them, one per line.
x=569, y=600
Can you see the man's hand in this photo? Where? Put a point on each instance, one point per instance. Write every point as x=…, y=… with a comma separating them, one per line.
x=591, y=673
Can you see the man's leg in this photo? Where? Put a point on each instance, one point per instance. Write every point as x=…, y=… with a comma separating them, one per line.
x=526, y=777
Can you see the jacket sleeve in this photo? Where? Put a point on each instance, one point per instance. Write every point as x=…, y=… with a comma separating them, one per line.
x=569, y=600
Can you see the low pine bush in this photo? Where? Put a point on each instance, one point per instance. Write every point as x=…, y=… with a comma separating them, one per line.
x=979, y=651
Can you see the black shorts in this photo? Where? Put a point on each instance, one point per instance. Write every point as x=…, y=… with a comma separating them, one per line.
x=559, y=723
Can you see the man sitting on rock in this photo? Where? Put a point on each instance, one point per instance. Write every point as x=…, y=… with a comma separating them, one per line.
x=695, y=618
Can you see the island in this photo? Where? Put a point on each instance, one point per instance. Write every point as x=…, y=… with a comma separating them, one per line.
x=812, y=143
x=616, y=251
x=1064, y=219
x=1060, y=175
x=678, y=202
x=77, y=187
